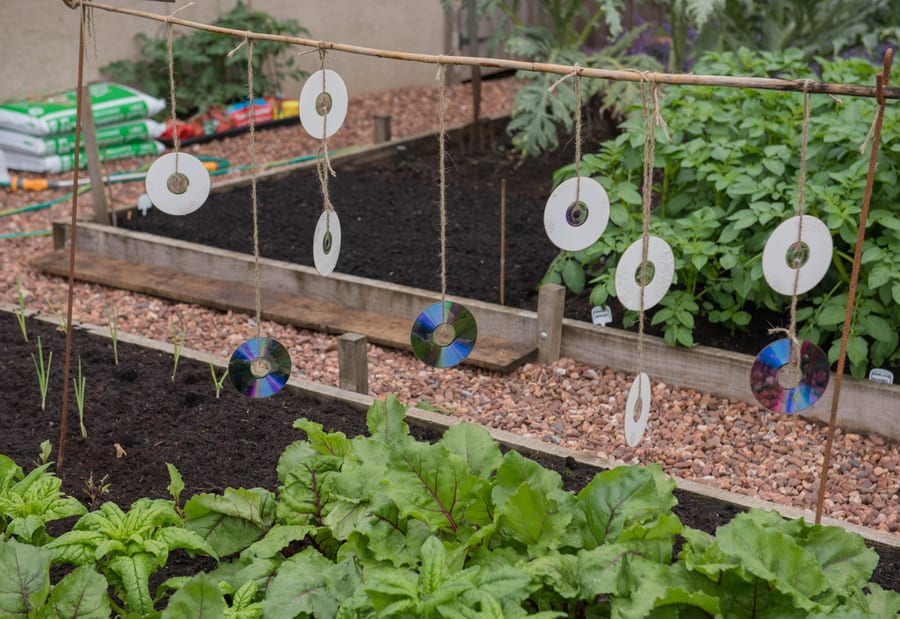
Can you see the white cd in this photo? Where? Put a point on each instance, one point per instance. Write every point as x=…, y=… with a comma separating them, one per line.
x=638, y=395
x=660, y=264
x=181, y=190
x=573, y=225
x=327, y=242
x=323, y=103
x=813, y=253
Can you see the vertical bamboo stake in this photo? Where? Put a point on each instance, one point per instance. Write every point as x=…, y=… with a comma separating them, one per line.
x=502, y=241
x=67, y=369
x=882, y=80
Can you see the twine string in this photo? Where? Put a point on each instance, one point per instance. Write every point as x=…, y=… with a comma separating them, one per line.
x=575, y=73
x=253, y=200
x=323, y=162
x=442, y=148
x=171, y=58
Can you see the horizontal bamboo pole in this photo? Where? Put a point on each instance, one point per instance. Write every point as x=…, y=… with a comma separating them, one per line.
x=685, y=79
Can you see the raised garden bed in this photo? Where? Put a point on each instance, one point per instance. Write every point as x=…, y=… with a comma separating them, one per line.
x=376, y=201
x=235, y=441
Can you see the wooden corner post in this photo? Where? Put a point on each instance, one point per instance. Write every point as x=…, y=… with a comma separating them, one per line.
x=551, y=303
x=353, y=363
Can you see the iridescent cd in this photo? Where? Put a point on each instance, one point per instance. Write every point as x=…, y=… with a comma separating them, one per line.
x=443, y=335
x=779, y=386
x=259, y=367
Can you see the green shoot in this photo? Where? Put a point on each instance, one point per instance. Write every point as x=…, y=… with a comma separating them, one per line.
x=46, y=450
x=95, y=491
x=112, y=321
x=56, y=310
x=177, y=342
x=79, y=383
x=20, y=311
x=218, y=381
x=43, y=371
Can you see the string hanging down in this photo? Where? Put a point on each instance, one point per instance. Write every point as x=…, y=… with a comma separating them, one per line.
x=177, y=183
x=259, y=367
x=637, y=260
x=444, y=334
x=789, y=375
x=577, y=212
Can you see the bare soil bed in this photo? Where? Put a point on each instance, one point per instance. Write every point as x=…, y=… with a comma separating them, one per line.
x=138, y=418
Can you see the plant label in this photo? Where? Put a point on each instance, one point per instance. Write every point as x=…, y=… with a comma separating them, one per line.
x=601, y=315
x=880, y=375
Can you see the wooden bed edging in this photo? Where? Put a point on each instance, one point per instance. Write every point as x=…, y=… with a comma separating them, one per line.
x=865, y=406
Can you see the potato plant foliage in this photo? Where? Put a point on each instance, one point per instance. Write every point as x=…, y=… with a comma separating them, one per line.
x=387, y=526
x=727, y=177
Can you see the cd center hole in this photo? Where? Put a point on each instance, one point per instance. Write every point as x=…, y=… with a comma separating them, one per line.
x=260, y=368
x=797, y=255
x=577, y=213
x=177, y=183
x=649, y=272
x=636, y=411
x=326, y=243
x=323, y=103
x=789, y=376
x=444, y=334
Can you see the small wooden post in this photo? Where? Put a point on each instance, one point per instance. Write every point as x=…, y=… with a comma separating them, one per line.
x=101, y=209
x=551, y=303
x=382, y=129
x=353, y=363
x=502, y=241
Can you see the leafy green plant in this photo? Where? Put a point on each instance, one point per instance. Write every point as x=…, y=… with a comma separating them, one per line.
x=178, y=336
x=218, y=381
x=46, y=450
x=727, y=178
x=96, y=490
x=206, y=75
x=384, y=525
x=29, y=502
x=20, y=308
x=559, y=36
x=43, y=371
x=112, y=322
x=25, y=589
x=128, y=547
x=79, y=383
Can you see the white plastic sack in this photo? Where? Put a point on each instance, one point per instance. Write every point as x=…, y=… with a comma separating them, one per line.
x=119, y=133
x=54, y=164
x=110, y=103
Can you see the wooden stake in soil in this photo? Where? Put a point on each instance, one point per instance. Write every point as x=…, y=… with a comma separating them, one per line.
x=502, y=240
x=882, y=80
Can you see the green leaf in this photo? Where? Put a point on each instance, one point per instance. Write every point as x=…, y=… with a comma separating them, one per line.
x=573, y=276
x=80, y=595
x=516, y=470
x=300, y=586
x=200, y=598
x=133, y=573
x=628, y=193
x=832, y=314
x=476, y=446
x=385, y=420
x=857, y=349
x=276, y=539
x=878, y=327
x=533, y=518
x=24, y=578
x=232, y=521
x=176, y=483
x=332, y=444
x=844, y=557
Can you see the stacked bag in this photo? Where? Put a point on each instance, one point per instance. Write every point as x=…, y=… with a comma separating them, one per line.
x=39, y=135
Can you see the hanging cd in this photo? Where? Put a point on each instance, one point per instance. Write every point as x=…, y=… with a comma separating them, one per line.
x=783, y=251
x=638, y=401
x=327, y=242
x=776, y=382
x=575, y=224
x=177, y=183
x=323, y=104
x=259, y=368
x=443, y=335
x=660, y=270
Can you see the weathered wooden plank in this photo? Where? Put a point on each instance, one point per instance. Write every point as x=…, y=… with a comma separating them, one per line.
x=490, y=353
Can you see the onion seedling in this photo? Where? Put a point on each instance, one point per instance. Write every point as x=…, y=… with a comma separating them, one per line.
x=177, y=342
x=218, y=381
x=80, y=382
x=43, y=371
x=112, y=321
x=20, y=311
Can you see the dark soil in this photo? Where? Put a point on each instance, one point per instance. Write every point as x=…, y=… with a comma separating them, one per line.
x=390, y=228
x=230, y=441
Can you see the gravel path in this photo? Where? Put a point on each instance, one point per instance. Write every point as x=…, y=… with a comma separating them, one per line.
x=696, y=436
